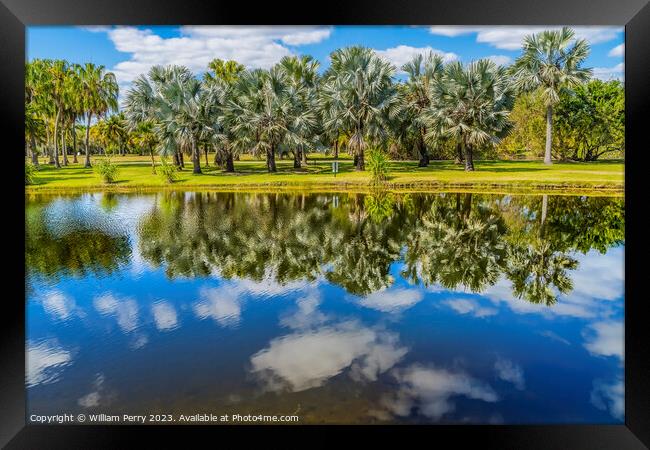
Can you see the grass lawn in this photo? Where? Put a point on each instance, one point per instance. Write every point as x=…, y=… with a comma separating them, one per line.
x=135, y=174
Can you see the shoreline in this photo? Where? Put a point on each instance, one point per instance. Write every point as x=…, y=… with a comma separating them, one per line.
x=352, y=187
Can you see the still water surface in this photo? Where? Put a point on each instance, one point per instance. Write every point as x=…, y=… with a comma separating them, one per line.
x=339, y=308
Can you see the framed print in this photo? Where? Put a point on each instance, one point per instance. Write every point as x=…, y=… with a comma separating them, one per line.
x=382, y=218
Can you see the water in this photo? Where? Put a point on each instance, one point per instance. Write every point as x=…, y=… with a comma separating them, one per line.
x=338, y=308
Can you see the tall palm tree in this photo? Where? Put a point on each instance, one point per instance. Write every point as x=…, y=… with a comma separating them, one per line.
x=267, y=112
x=472, y=105
x=358, y=91
x=417, y=95
x=302, y=78
x=144, y=136
x=37, y=106
x=99, y=91
x=174, y=99
x=551, y=61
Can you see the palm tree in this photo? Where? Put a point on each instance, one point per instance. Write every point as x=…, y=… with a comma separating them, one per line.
x=225, y=71
x=472, y=105
x=174, y=99
x=417, y=95
x=303, y=80
x=145, y=137
x=267, y=112
x=551, y=61
x=357, y=92
x=99, y=91
x=116, y=131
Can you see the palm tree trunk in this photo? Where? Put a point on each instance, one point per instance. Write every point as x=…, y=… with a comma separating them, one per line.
x=196, y=158
x=64, y=147
x=459, y=154
x=33, y=151
x=74, y=145
x=153, y=162
x=205, y=149
x=56, y=142
x=87, y=163
x=469, y=160
x=549, y=134
x=177, y=160
x=296, y=159
x=303, y=156
x=230, y=165
x=424, y=156
x=270, y=159
x=48, y=146
x=336, y=149
x=361, y=164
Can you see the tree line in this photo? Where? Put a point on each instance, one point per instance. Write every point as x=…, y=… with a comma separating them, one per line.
x=544, y=104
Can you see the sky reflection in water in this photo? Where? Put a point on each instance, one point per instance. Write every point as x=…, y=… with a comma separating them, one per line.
x=385, y=308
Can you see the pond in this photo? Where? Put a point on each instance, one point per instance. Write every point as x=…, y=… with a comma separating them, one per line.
x=336, y=307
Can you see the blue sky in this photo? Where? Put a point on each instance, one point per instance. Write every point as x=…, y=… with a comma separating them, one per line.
x=130, y=51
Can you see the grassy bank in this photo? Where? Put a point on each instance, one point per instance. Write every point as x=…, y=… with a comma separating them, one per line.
x=135, y=175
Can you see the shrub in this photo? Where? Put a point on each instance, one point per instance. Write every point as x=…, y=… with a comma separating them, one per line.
x=107, y=170
x=378, y=166
x=30, y=173
x=167, y=171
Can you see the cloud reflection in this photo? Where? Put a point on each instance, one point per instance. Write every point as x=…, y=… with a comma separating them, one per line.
x=610, y=397
x=510, y=372
x=45, y=361
x=321, y=347
x=58, y=305
x=392, y=300
x=164, y=316
x=429, y=391
x=124, y=309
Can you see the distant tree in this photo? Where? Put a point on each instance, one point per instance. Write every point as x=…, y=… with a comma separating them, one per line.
x=590, y=122
x=551, y=61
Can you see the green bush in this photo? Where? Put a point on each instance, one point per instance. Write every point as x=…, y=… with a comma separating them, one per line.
x=167, y=171
x=378, y=166
x=30, y=173
x=107, y=170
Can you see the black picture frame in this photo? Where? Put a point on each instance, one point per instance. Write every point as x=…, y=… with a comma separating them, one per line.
x=15, y=15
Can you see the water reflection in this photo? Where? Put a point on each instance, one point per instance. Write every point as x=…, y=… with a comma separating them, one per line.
x=351, y=308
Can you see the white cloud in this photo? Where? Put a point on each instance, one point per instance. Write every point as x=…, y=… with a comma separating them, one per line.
x=500, y=60
x=45, y=361
x=392, y=300
x=510, y=372
x=469, y=306
x=96, y=28
x=307, y=359
x=125, y=310
x=610, y=73
x=164, y=316
x=253, y=46
x=430, y=390
x=606, y=338
x=619, y=50
x=609, y=396
x=402, y=54
x=452, y=31
x=511, y=37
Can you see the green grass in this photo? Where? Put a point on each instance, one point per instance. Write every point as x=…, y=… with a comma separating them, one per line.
x=135, y=174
